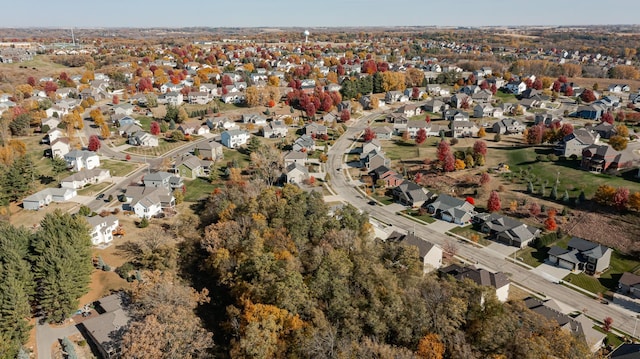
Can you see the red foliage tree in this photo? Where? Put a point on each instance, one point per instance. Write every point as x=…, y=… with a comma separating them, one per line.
x=115, y=100
x=31, y=81
x=550, y=224
x=588, y=96
x=537, y=84
x=470, y=200
x=484, y=178
x=369, y=134
x=493, y=204
x=310, y=110
x=444, y=149
x=415, y=93
x=449, y=164
x=620, y=116
x=606, y=324
x=94, y=143
x=621, y=198
x=326, y=103
x=568, y=91
x=528, y=82
x=127, y=157
x=50, y=87
x=480, y=147
x=557, y=86
x=428, y=118
x=145, y=84
x=226, y=80
x=493, y=89
x=566, y=129
x=421, y=136
x=345, y=115
x=155, y=128
x=271, y=103
x=535, y=134
x=484, y=85
x=607, y=117
x=534, y=209
x=563, y=79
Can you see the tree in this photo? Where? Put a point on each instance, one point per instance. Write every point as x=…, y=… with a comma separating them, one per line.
x=449, y=164
x=94, y=143
x=480, y=147
x=369, y=134
x=484, y=179
x=421, y=136
x=61, y=263
x=177, y=136
x=587, y=96
x=155, y=128
x=105, y=132
x=604, y=194
x=634, y=201
x=493, y=204
x=550, y=223
x=622, y=130
x=618, y=143
x=534, y=135
x=252, y=96
x=621, y=198
x=345, y=115
x=430, y=347
x=534, y=209
x=607, y=117
x=481, y=132
x=444, y=149
x=459, y=165
x=606, y=324
x=115, y=100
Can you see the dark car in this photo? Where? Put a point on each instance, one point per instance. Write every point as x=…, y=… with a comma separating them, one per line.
x=100, y=196
x=372, y=203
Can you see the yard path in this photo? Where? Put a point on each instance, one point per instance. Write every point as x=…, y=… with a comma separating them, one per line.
x=47, y=335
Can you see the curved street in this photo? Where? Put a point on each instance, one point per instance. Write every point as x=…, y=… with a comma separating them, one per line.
x=623, y=319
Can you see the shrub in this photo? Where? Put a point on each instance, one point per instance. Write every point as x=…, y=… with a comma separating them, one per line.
x=541, y=158
x=454, y=141
x=124, y=270
x=545, y=240
x=144, y=223
x=552, y=157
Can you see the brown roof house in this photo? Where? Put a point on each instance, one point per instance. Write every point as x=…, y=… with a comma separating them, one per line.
x=629, y=284
x=429, y=253
x=601, y=158
x=483, y=277
x=105, y=330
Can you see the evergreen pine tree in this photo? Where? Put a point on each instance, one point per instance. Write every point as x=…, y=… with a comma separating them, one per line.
x=530, y=187
x=554, y=192
x=565, y=197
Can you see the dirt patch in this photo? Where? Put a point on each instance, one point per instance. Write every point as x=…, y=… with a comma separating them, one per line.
x=102, y=284
x=27, y=218
x=613, y=230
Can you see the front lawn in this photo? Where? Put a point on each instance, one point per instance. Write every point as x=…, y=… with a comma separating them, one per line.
x=384, y=200
x=470, y=233
x=608, y=281
x=163, y=147
x=93, y=189
x=145, y=122
x=415, y=214
x=532, y=256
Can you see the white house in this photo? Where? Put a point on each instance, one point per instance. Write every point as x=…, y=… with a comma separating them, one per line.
x=125, y=109
x=85, y=177
x=102, y=228
x=142, y=138
x=234, y=138
x=60, y=147
x=81, y=159
x=516, y=87
x=148, y=201
x=46, y=196
x=296, y=173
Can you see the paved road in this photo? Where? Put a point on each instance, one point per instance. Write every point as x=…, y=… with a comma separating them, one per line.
x=623, y=319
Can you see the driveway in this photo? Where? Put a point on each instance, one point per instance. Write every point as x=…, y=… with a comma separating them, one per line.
x=442, y=226
x=505, y=250
x=46, y=336
x=550, y=272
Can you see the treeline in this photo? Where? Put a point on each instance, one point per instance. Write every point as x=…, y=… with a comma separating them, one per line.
x=42, y=272
x=287, y=279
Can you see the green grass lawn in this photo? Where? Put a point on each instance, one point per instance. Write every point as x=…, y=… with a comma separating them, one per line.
x=506, y=97
x=94, y=189
x=117, y=168
x=412, y=213
x=468, y=231
x=525, y=167
x=385, y=200
x=532, y=256
x=611, y=338
x=399, y=149
x=198, y=189
x=145, y=122
x=164, y=146
x=231, y=155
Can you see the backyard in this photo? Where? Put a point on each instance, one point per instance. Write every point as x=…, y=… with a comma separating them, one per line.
x=198, y=189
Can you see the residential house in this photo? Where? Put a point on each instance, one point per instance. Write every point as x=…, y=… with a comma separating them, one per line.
x=486, y=110
x=418, y=94
x=413, y=126
x=81, y=159
x=382, y=132
x=304, y=143
x=191, y=167
x=410, y=110
x=128, y=130
x=579, y=326
x=275, y=129
x=145, y=139
x=255, y=119
x=296, y=173
x=162, y=179
x=371, y=145
x=314, y=129
x=430, y=254
x=531, y=93
x=210, y=150
x=573, y=144
x=199, y=97
x=463, y=129
x=223, y=123
x=104, y=331
x=626, y=351
x=505, y=229
x=460, y=100
x=530, y=103
x=232, y=97
x=189, y=129
x=394, y=96
x=629, y=284
x=456, y=115
x=391, y=178
x=400, y=124
x=234, y=138
x=484, y=96
x=590, y=112
x=147, y=202
x=344, y=105
x=365, y=102
x=435, y=105
x=508, y=126
x=581, y=255
x=604, y=129
x=374, y=159
x=619, y=88
x=123, y=121
x=43, y=198
x=451, y=209
x=330, y=118
x=125, y=109
x=295, y=157
x=411, y=194
x=102, y=228
x=601, y=158
x=49, y=123
x=470, y=90
x=85, y=177
x=171, y=98
x=59, y=147
x=515, y=87
x=498, y=281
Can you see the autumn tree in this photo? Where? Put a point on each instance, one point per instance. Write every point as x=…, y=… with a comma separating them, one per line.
x=252, y=96
x=369, y=134
x=105, y=132
x=493, y=204
x=550, y=223
x=587, y=95
x=622, y=130
x=94, y=143
x=618, y=143
x=345, y=115
x=485, y=178
x=621, y=198
x=607, y=117
x=604, y=194
x=480, y=147
x=459, y=165
x=481, y=132
x=430, y=347
x=634, y=201
x=606, y=324
x=421, y=136
x=154, y=128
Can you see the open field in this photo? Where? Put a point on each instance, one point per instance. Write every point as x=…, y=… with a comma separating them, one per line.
x=40, y=66
x=118, y=168
x=603, y=84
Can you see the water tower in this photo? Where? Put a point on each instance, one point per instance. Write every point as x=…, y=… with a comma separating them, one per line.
x=306, y=36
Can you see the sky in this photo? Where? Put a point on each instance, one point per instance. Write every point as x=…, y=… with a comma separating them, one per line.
x=322, y=13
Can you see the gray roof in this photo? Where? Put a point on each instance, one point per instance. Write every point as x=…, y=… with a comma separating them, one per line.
x=411, y=239
x=478, y=275
x=626, y=351
x=157, y=176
